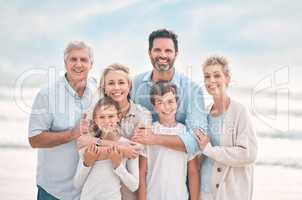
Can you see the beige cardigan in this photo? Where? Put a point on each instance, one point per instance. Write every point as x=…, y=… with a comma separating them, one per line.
x=232, y=177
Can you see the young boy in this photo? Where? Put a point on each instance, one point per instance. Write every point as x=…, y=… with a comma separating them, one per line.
x=163, y=171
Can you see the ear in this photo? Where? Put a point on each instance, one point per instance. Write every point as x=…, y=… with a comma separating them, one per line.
x=228, y=78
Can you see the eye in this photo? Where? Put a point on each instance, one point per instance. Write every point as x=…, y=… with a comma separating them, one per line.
x=217, y=76
x=73, y=59
x=121, y=82
x=206, y=76
x=84, y=60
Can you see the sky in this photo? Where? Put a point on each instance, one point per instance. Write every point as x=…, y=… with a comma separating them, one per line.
x=261, y=39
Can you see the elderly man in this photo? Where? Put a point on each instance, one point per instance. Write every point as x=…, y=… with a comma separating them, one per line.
x=163, y=50
x=55, y=124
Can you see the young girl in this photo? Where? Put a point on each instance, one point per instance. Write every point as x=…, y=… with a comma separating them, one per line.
x=230, y=148
x=101, y=178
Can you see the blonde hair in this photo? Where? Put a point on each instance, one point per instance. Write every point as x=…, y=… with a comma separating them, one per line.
x=218, y=60
x=114, y=67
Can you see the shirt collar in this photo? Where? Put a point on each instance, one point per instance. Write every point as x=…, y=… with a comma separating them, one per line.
x=175, y=78
x=71, y=91
x=132, y=109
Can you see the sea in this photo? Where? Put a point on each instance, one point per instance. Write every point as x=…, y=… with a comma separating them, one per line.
x=276, y=115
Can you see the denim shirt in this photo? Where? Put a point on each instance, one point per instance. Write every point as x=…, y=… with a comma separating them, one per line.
x=190, y=104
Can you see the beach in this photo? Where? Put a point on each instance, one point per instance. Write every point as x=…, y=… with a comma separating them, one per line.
x=18, y=169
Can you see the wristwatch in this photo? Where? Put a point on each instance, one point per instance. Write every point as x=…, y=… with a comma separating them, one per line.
x=98, y=142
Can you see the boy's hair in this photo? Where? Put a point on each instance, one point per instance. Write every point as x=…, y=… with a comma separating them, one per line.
x=106, y=102
x=161, y=88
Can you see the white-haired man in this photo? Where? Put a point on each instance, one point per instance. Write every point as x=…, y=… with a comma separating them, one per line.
x=54, y=124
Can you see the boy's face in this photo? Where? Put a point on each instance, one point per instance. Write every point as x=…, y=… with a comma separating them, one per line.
x=165, y=106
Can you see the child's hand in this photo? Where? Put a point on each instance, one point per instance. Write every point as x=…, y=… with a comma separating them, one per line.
x=90, y=156
x=115, y=156
x=202, y=139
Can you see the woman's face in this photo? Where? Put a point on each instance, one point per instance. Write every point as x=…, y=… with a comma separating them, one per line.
x=215, y=80
x=117, y=86
x=106, y=118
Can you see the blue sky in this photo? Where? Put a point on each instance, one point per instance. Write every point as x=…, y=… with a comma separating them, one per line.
x=258, y=37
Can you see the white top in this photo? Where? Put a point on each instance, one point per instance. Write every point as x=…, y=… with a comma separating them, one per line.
x=166, y=168
x=102, y=182
x=58, y=108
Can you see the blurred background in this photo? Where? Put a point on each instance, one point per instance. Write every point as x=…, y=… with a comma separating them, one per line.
x=261, y=39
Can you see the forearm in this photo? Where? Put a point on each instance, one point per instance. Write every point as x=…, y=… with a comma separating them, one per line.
x=170, y=141
x=49, y=139
x=194, y=184
x=142, y=193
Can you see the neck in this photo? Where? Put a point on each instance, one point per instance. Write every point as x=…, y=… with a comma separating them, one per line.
x=168, y=122
x=78, y=86
x=162, y=75
x=221, y=104
x=124, y=106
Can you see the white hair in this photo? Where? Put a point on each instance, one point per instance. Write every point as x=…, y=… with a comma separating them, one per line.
x=78, y=45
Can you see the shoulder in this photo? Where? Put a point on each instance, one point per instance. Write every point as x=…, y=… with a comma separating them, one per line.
x=139, y=77
x=141, y=109
x=187, y=83
x=91, y=82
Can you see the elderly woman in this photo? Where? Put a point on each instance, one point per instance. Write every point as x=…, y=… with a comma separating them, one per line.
x=230, y=148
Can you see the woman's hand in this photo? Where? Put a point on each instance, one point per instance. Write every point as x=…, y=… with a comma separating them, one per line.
x=115, y=156
x=129, y=151
x=91, y=155
x=202, y=139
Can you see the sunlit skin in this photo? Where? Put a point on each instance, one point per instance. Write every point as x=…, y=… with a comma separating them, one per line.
x=106, y=118
x=163, y=55
x=166, y=106
x=77, y=65
x=117, y=86
x=215, y=80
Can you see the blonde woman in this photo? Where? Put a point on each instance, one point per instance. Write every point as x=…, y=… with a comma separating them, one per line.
x=115, y=82
x=230, y=148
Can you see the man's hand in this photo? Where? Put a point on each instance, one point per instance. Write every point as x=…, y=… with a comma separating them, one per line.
x=128, y=151
x=143, y=135
x=81, y=128
x=85, y=140
x=90, y=156
x=201, y=138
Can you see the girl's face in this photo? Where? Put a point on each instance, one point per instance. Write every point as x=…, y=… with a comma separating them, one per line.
x=117, y=86
x=215, y=80
x=106, y=118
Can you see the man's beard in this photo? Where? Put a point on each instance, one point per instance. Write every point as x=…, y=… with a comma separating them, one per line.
x=162, y=67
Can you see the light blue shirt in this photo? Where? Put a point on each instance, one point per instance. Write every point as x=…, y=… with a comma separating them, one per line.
x=58, y=108
x=190, y=104
x=214, y=131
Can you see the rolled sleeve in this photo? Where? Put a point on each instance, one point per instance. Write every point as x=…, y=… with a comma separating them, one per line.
x=40, y=117
x=196, y=118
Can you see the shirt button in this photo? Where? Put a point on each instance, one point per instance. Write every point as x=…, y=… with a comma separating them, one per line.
x=219, y=169
x=217, y=185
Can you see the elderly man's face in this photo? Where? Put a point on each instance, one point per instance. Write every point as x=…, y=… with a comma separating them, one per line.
x=78, y=64
x=163, y=54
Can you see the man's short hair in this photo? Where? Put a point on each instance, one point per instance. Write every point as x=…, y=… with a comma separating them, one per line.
x=161, y=88
x=163, y=33
x=78, y=45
